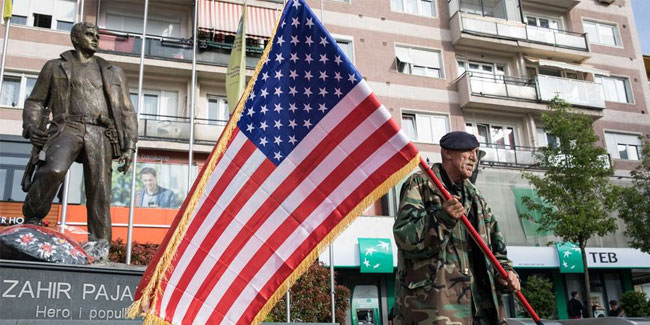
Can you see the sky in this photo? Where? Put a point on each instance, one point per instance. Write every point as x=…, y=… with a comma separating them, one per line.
x=641, y=10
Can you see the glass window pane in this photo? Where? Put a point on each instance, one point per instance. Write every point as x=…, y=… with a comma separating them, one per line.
x=411, y=6
x=461, y=68
x=18, y=20
x=419, y=71
x=150, y=104
x=592, y=31
x=134, y=100
x=483, y=135
x=427, y=8
x=29, y=86
x=531, y=21
x=498, y=136
x=633, y=152
x=510, y=138
x=10, y=92
x=606, y=34
x=622, y=151
x=41, y=20
x=346, y=47
x=397, y=5
x=408, y=125
x=17, y=193
x=3, y=179
x=543, y=23
x=439, y=127
x=64, y=25
x=423, y=126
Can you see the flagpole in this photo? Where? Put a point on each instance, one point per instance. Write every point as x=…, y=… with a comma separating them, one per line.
x=81, y=11
x=288, y=306
x=192, y=99
x=477, y=239
x=4, y=48
x=129, y=234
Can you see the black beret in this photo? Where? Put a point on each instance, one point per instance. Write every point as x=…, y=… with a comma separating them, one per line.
x=459, y=140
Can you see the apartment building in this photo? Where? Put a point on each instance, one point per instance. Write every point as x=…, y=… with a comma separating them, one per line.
x=489, y=67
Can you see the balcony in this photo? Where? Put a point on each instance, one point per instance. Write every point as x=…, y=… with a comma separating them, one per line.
x=507, y=93
x=502, y=29
x=507, y=155
x=174, y=49
x=177, y=128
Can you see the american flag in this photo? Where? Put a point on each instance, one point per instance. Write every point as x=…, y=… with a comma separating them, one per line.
x=311, y=148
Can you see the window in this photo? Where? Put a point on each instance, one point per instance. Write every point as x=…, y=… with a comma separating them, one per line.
x=157, y=103
x=481, y=68
x=218, y=111
x=51, y=14
x=602, y=33
x=159, y=26
x=543, y=22
x=14, y=155
x=347, y=46
x=545, y=139
x=623, y=146
x=492, y=135
x=421, y=62
x=416, y=7
x=428, y=128
x=15, y=89
x=615, y=89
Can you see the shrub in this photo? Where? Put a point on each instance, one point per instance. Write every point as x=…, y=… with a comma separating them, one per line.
x=635, y=304
x=539, y=293
x=141, y=254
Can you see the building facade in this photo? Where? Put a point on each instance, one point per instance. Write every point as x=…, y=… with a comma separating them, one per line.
x=488, y=67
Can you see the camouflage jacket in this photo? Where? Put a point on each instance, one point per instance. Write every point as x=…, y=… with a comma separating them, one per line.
x=435, y=277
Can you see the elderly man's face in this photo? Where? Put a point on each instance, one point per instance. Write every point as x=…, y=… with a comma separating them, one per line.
x=88, y=40
x=462, y=163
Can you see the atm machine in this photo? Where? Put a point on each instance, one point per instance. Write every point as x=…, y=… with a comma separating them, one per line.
x=365, y=305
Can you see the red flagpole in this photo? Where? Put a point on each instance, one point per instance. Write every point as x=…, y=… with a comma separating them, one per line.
x=479, y=241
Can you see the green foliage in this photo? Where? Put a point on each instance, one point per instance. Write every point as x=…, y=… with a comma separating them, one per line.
x=310, y=299
x=539, y=292
x=635, y=206
x=575, y=188
x=141, y=254
x=635, y=304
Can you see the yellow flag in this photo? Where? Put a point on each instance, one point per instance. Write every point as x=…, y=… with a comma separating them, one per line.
x=7, y=10
x=236, y=74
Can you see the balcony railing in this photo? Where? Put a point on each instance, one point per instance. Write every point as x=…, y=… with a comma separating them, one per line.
x=507, y=155
x=177, y=128
x=506, y=23
x=171, y=48
x=575, y=92
x=487, y=84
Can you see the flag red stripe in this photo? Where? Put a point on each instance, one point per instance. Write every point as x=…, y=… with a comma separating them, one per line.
x=365, y=108
x=323, y=190
x=379, y=176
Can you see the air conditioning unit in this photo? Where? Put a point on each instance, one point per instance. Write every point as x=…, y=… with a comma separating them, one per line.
x=609, y=2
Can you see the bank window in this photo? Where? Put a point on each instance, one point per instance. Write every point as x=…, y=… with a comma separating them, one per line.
x=492, y=135
x=427, y=128
x=51, y=14
x=416, y=7
x=157, y=103
x=15, y=89
x=418, y=61
x=623, y=145
x=615, y=89
x=602, y=33
x=218, y=111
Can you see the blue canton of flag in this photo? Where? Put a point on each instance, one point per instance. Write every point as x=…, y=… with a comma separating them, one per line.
x=304, y=75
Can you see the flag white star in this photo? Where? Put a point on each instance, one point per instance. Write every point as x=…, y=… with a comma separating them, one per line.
x=277, y=108
x=266, y=61
x=322, y=108
x=352, y=77
x=366, y=262
x=294, y=40
x=322, y=91
x=323, y=41
x=308, y=75
x=265, y=75
x=307, y=108
x=296, y=3
x=308, y=58
x=280, y=40
x=250, y=127
x=323, y=58
x=309, y=22
x=369, y=251
x=263, y=126
x=307, y=124
x=283, y=23
x=293, y=74
x=278, y=75
x=295, y=22
x=252, y=96
x=277, y=140
x=264, y=93
x=250, y=112
x=338, y=60
x=294, y=57
x=383, y=245
x=263, y=141
x=308, y=40
x=292, y=124
x=263, y=109
x=278, y=91
x=307, y=91
x=323, y=75
x=292, y=139
x=292, y=107
x=337, y=92
x=337, y=76
x=293, y=91
x=279, y=57
x=277, y=155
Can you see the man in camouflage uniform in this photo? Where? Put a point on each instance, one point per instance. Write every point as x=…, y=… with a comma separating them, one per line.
x=443, y=277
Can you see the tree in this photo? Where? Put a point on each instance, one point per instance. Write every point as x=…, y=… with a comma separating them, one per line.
x=575, y=190
x=635, y=206
x=635, y=304
x=310, y=299
x=539, y=291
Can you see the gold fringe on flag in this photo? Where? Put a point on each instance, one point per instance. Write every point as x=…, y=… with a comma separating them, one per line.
x=340, y=227
x=164, y=263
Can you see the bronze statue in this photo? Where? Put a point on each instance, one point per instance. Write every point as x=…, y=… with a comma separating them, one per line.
x=93, y=122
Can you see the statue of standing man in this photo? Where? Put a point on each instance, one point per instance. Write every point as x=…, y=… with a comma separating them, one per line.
x=93, y=122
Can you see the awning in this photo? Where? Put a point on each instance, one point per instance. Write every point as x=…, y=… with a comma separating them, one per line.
x=568, y=66
x=223, y=17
